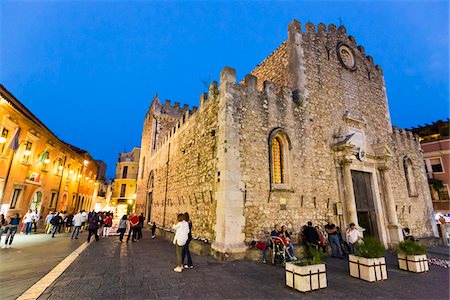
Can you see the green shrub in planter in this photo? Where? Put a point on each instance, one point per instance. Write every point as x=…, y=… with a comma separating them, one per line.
x=412, y=256
x=314, y=257
x=370, y=248
x=409, y=247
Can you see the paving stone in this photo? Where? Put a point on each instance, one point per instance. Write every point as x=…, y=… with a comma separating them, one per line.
x=101, y=273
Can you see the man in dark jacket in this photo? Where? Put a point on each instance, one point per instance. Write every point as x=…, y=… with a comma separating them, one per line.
x=55, y=221
x=311, y=235
x=94, y=223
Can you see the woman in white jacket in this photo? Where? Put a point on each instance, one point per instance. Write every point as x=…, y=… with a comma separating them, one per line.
x=181, y=236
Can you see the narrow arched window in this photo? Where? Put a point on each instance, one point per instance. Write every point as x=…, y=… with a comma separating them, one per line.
x=409, y=176
x=277, y=161
x=279, y=157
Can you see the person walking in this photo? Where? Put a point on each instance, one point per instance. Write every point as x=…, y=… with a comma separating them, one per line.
x=69, y=222
x=12, y=229
x=85, y=218
x=48, y=219
x=107, y=227
x=122, y=227
x=186, y=252
x=36, y=218
x=28, y=221
x=77, y=223
x=333, y=240
x=55, y=224
x=62, y=214
x=180, y=239
x=93, y=227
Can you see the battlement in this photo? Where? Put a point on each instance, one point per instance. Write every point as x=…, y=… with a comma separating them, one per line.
x=324, y=32
x=405, y=136
x=227, y=80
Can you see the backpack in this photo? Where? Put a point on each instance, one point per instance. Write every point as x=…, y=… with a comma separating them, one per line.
x=54, y=221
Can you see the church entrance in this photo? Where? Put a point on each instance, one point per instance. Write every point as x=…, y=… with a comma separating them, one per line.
x=365, y=208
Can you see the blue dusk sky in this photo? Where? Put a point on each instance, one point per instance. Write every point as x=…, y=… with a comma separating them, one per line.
x=89, y=69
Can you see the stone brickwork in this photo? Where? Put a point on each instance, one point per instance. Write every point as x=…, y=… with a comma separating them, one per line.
x=273, y=68
x=326, y=101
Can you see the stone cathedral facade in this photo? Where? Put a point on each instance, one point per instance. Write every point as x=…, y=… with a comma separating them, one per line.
x=305, y=136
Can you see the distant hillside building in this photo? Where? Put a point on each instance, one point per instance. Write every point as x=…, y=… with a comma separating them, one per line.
x=124, y=186
x=306, y=136
x=435, y=143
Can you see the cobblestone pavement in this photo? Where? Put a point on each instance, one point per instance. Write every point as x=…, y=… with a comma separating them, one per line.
x=144, y=270
x=30, y=258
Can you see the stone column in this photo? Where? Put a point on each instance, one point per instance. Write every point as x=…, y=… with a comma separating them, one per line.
x=230, y=221
x=395, y=232
x=350, y=204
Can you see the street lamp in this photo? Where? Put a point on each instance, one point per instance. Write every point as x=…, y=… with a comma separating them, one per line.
x=2, y=139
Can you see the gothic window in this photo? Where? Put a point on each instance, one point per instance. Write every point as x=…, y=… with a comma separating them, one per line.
x=277, y=162
x=409, y=176
x=279, y=147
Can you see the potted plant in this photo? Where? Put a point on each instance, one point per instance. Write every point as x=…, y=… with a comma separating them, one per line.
x=368, y=262
x=307, y=274
x=412, y=256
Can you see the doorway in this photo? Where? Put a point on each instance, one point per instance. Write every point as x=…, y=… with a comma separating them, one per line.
x=365, y=208
x=36, y=201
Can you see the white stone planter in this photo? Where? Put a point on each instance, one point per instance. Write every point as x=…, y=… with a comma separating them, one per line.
x=306, y=278
x=413, y=263
x=369, y=269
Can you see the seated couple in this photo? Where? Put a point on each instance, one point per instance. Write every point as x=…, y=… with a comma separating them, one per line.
x=284, y=237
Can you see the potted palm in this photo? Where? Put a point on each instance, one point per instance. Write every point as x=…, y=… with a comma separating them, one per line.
x=368, y=262
x=307, y=274
x=412, y=256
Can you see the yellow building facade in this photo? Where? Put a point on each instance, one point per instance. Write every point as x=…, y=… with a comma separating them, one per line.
x=37, y=169
x=124, y=186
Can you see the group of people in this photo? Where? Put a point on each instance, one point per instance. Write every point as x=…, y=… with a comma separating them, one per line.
x=315, y=237
x=135, y=224
x=181, y=240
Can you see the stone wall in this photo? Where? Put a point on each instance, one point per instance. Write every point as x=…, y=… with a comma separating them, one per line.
x=273, y=68
x=183, y=167
x=216, y=163
x=414, y=211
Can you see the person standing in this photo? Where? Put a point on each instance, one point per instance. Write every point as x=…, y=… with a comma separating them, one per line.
x=107, y=227
x=311, y=236
x=93, y=227
x=153, y=230
x=180, y=239
x=352, y=237
x=28, y=221
x=322, y=240
x=122, y=227
x=186, y=252
x=48, y=219
x=140, y=226
x=55, y=224
x=12, y=229
x=134, y=221
x=77, y=223
x=333, y=240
